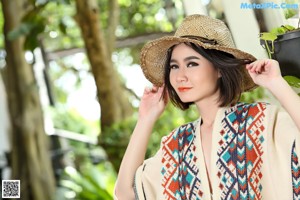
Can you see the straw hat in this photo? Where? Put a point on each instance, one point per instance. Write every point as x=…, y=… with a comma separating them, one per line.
x=202, y=30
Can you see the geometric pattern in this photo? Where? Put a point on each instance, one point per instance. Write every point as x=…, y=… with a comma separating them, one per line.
x=239, y=162
x=179, y=169
x=240, y=150
x=295, y=174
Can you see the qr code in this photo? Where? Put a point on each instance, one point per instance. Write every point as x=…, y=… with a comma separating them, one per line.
x=10, y=189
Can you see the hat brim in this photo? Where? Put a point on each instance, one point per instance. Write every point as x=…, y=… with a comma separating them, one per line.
x=154, y=53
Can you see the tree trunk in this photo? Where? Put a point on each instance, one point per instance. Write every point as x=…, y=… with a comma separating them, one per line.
x=30, y=159
x=114, y=105
x=113, y=21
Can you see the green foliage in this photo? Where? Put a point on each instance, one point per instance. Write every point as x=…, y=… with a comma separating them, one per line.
x=90, y=182
x=253, y=96
x=71, y=120
x=61, y=31
x=119, y=133
x=290, y=12
x=270, y=37
x=1, y=28
x=293, y=81
x=115, y=142
x=52, y=20
x=32, y=25
x=45, y=19
x=145, y=16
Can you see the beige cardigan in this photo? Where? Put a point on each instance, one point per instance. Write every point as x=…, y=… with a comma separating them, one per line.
x=254, y=156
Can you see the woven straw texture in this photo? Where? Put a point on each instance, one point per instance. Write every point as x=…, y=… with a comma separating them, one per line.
x=218, y=36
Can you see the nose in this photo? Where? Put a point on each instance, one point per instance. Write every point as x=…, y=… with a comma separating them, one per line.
x=181, y=75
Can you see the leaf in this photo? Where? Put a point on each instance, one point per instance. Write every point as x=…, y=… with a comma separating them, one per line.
x=73, y=174
x=62, y=26
x=23, y=29
x=282, y=29
x=289, y=27
x=71, y=185
x=65, y=2
x=293, y=81
x=31, y=43
x=90, y=184
x=268, y=36
x=278, y=30
x=288, y=13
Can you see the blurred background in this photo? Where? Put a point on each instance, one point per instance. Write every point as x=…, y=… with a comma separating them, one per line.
x=70, y=84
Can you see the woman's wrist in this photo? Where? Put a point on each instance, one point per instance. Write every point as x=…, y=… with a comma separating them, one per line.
x=276, y=84
x=146, y=121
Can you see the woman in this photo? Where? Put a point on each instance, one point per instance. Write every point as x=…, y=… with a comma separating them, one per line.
x=234, y=150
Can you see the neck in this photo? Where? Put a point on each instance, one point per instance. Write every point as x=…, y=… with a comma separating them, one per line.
x=208, y=111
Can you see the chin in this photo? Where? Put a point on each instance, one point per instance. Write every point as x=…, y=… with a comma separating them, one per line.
x=186, y=100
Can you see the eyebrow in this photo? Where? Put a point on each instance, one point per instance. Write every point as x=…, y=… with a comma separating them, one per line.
x=187, y=58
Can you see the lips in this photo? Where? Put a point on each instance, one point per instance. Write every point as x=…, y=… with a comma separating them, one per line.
x=184, y=89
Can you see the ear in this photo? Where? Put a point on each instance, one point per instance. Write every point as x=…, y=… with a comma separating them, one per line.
x=219, y=74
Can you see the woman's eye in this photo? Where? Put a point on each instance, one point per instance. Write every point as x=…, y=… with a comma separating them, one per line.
x=192, y=64
x=173, y=67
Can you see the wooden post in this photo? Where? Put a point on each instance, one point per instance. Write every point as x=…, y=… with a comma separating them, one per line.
x=244, y=27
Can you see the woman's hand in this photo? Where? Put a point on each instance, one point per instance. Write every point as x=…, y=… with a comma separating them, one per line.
x=264, y=72
x=152, y=104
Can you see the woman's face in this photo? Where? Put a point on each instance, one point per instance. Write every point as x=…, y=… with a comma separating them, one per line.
x=192, y=76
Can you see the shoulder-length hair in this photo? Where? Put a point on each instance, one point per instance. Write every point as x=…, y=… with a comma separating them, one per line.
x=230, y=82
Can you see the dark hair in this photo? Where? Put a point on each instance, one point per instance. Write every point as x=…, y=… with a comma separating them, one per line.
x=230, y=82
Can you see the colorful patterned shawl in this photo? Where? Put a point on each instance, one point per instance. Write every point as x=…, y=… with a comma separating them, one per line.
x=254, y=156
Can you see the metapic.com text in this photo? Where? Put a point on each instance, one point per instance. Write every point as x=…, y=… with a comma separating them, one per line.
x=269, y=5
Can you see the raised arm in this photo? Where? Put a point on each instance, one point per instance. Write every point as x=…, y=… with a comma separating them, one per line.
x=266, y=73
x=151, y=107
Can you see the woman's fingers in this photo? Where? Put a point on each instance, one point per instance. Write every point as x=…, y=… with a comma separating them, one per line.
x=257, y=67
x=263, y=71
x=153, y=89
